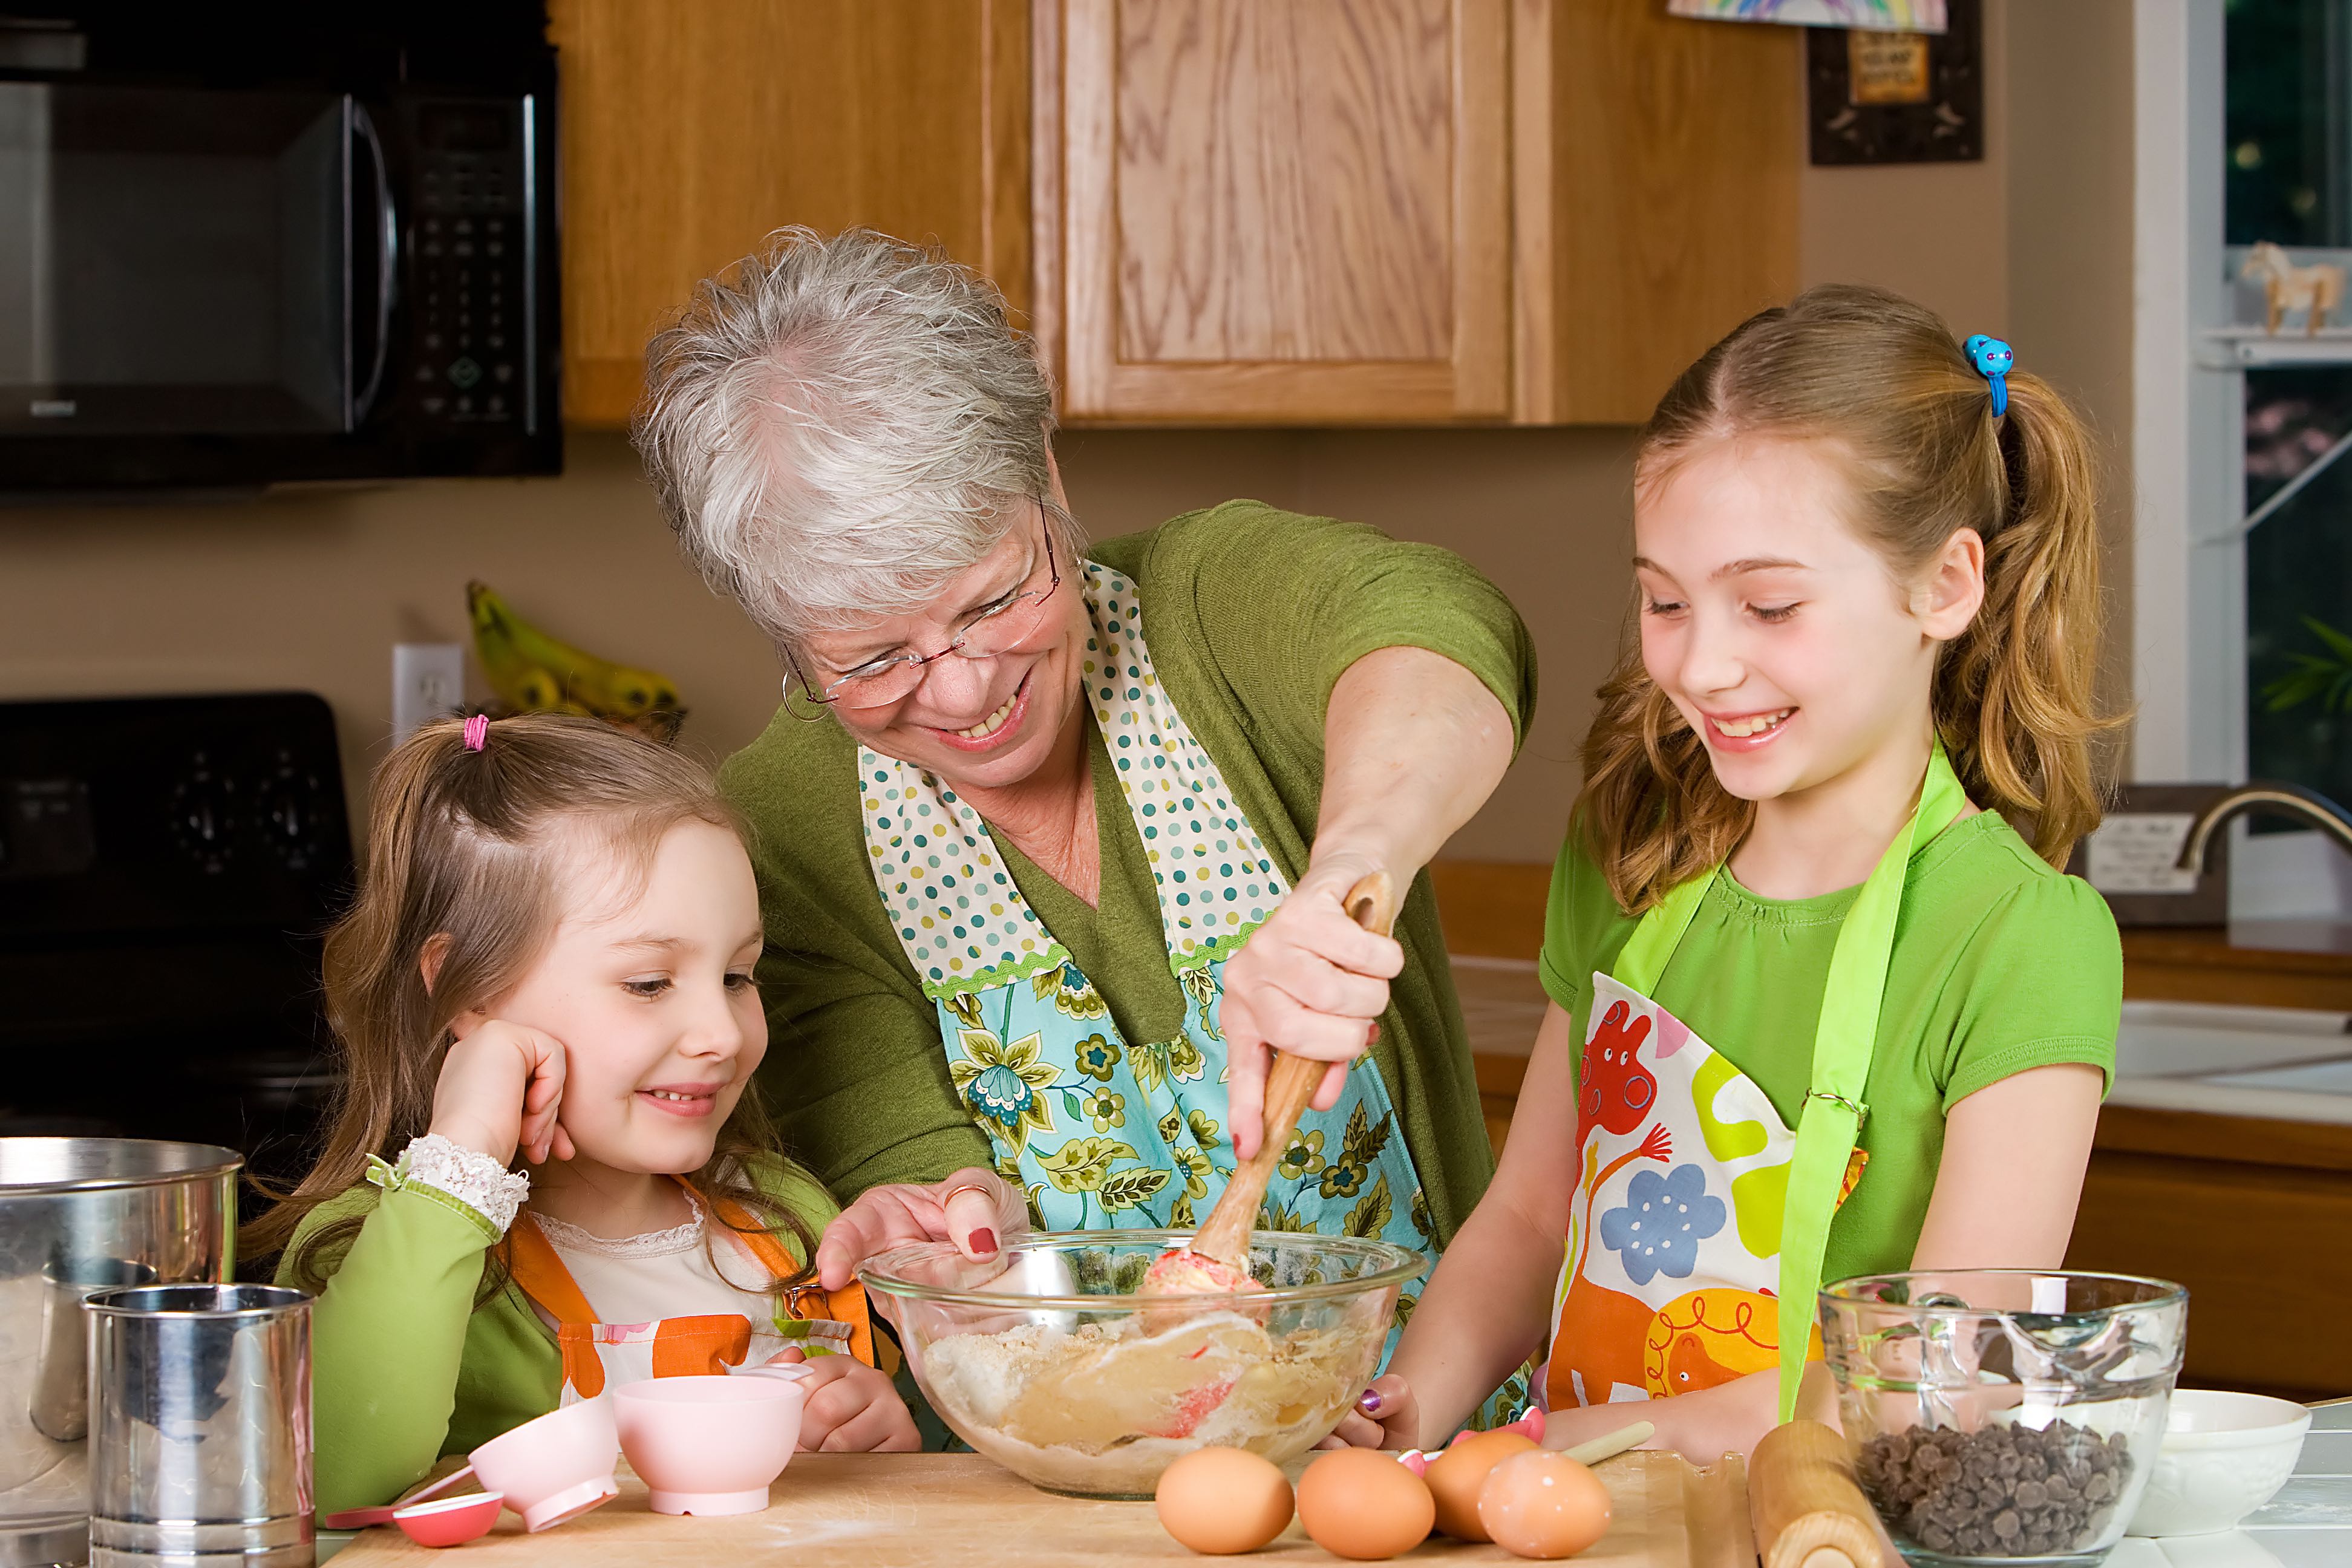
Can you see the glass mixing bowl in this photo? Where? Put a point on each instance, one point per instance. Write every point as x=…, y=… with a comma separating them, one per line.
x=2003, y=1415
x=1045, y=1360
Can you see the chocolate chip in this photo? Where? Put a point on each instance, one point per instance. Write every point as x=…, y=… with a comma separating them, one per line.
x=2002, y=1492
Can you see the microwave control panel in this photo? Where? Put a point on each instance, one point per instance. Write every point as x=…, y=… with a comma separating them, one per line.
x=470, y=228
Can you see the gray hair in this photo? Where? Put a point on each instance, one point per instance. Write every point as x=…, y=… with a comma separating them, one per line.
x=835, y=427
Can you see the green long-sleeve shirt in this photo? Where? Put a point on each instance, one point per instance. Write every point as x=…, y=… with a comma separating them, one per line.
x=1252, y=615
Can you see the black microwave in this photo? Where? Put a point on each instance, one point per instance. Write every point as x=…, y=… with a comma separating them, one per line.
x=240, y=247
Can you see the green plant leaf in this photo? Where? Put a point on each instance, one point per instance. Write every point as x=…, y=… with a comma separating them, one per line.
x=2336, y=641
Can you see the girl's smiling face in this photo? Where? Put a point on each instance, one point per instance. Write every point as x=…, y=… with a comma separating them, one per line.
x=1781, y=635
x=652, y=993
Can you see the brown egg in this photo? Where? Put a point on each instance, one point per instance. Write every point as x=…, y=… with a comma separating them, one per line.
x=1456, y=1476
x=1544, y=1505
x=1219, y=1500
x=1362, y=1503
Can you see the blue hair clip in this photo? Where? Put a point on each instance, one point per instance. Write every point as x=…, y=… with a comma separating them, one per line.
x=1992, y=358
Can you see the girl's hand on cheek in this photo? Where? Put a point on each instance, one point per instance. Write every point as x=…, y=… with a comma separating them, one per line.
x=852, y=1409
x=499, y=1090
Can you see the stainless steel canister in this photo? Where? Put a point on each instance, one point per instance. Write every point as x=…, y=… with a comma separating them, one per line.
x=200, y=1427
x=78, y=1215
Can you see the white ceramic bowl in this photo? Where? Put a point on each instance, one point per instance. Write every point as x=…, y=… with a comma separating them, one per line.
x=2225, y=1455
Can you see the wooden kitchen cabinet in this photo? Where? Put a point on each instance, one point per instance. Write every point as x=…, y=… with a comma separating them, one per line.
x=691, y=130
x=1209, y=211
x=1341, y=211
x=1654, y=173
x=1290, y=214
x=2251, y=1217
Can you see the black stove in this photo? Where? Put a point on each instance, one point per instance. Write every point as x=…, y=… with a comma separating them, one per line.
x=168, y=865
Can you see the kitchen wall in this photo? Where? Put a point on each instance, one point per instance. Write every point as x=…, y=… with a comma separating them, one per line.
x=312, y=590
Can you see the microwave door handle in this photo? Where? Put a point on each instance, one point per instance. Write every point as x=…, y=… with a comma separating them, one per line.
x=387, y=261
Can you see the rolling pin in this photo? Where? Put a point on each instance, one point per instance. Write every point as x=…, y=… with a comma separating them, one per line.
x=1806, y=1507
x=1217, y=1258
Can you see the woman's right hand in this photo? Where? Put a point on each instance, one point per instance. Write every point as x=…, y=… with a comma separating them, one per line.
x=1386, y=1416
x=974, y=1209
x=500, y=1087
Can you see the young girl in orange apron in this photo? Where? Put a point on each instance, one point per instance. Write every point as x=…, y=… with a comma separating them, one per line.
x=598, y=1355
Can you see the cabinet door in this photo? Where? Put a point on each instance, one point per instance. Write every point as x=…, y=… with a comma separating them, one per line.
x=1296, y=211
x=1656, y=160
x=692, y=131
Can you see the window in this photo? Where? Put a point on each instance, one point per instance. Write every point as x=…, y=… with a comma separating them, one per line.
x=2287, y=180
x=2242, y=573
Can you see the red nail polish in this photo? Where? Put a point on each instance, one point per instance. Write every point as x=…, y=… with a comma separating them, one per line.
x=984, y=1242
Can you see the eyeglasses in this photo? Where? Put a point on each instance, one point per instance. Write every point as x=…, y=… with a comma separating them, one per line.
x=1005, y=626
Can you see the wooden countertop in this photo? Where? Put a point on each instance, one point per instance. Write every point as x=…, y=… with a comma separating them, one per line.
x=862, y=1510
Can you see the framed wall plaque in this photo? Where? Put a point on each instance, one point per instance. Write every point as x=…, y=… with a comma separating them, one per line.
x=1898, y=97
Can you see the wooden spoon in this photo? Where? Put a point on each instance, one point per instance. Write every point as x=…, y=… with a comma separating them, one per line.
x=1217, y=1258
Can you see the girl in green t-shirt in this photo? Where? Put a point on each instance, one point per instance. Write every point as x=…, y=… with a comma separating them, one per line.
x=550, y=957
x=1817, y=1008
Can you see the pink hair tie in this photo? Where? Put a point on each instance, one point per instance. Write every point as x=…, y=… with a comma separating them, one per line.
x=478, y=730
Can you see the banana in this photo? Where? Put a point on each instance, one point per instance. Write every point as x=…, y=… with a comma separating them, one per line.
x=537, y=673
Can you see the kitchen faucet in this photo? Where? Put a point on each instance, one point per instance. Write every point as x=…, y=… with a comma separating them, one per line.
x=2307, y=807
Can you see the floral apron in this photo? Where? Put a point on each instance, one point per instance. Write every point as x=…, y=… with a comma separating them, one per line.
x=599, y=1355
x=1101, y=1131
x=1697, y=1228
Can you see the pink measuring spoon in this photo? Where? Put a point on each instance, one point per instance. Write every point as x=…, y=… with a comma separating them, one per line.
x=363, y=1517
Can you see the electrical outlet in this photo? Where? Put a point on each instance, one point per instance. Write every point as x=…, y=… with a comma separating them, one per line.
x=428, y=682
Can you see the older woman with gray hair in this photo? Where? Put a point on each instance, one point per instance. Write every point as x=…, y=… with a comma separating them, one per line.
x=1052, y=837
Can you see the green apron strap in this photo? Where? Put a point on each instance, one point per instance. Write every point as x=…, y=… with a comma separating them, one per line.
x=1830, y=1121
x=1643, y=957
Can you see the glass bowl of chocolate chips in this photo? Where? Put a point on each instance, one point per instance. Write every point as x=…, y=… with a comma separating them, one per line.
x=2005, y=1416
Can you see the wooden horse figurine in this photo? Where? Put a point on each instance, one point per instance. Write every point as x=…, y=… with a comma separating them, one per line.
x=2315, y=291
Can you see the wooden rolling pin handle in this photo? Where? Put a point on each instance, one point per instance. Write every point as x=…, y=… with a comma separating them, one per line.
x=1289, y=1085
x=1808, y=1511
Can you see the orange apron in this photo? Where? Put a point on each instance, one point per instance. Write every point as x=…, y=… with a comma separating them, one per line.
x=598, y=1354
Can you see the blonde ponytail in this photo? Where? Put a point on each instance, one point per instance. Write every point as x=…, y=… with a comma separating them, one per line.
x=1883, y=383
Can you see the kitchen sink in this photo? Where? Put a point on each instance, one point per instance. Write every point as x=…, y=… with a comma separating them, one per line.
x=2289, y=1064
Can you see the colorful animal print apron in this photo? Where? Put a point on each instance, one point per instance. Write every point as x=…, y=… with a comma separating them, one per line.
x=1699, y=1221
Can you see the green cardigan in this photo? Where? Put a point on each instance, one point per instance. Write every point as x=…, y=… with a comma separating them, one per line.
x=1252, y=615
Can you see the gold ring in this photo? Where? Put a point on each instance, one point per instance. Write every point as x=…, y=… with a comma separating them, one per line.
x=957, y=1192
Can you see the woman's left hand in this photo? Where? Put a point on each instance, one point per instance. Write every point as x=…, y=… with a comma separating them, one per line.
x=851, y=1408
x=1311, y=982
x=975, y=1208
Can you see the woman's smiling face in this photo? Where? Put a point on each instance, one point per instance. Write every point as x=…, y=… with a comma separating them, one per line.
x=1779, y=633
x=979, y=723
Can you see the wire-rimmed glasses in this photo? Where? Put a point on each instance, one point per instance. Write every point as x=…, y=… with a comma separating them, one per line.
x=1004, y=626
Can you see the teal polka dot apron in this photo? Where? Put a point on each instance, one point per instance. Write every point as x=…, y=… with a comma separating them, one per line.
x=1099, y=1130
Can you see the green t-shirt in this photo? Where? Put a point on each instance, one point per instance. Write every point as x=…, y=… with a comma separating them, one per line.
x=1252, y=615
x=2000, y=964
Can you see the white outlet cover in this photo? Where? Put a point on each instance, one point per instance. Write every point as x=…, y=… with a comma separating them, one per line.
x=428, y=682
